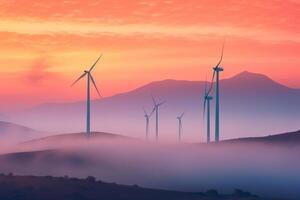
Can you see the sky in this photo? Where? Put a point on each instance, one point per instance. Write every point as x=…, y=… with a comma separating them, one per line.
x=46, y=45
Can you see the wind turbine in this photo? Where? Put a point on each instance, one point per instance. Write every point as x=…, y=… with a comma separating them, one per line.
x=180, y=126
x=147, y=118
x=217, y=69
x=88, y=73
x=156, y=108
x=207, y=100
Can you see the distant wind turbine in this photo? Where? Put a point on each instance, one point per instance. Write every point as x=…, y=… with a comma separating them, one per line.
x=217, y=69
x=207, y=100
x=180, y=126
x=147, y=118
x=88, y=103
x=156, y=108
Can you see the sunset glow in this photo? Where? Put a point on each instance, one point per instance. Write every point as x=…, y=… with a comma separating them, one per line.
x=44, y=45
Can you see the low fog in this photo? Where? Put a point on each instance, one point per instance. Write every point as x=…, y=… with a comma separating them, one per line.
x=266, y=170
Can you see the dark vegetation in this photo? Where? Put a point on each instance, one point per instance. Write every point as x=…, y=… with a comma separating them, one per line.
x=55, y=188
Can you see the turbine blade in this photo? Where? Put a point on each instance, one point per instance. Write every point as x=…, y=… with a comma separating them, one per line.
x=211, y=84
x=80, y=77
x=205, y=85
x=95, y=63
x=145, y=111
x=221, y=58
x=93, y=81
x=181, y=115
x=152, y=111
x=154, y=102
x=161, y=103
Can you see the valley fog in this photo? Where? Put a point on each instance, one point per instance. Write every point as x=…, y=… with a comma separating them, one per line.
x=266, y=170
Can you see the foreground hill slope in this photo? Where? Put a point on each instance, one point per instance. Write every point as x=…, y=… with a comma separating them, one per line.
x=289, y=139
x=64, y=188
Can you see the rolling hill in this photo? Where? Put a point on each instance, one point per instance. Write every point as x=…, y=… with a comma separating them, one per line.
x=11, y=132
x=73, y=139
x=184, y=167
x=286, y=139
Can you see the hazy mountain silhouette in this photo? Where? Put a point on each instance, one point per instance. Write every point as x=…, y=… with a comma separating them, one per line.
x=16, y=133
x=251, y=105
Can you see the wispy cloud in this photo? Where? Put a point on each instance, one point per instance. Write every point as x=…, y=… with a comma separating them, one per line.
x=39, y=72
x=193, y=32
x=263, y=20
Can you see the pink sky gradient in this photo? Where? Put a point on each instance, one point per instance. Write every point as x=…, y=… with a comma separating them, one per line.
x=45, y=45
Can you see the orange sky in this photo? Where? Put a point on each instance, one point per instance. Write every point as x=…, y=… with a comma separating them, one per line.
x=45, y=45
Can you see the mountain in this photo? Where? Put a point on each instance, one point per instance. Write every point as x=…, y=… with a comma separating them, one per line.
x=10, y=132
x=251, y=105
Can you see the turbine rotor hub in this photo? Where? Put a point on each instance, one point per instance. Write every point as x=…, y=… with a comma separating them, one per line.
x=218, y=69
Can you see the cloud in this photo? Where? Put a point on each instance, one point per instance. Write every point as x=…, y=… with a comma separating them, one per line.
x=39, y=72
x=193, y=32
x=262, y=20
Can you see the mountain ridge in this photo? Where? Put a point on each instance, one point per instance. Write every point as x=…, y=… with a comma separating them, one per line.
x=246, y=99
x=17, y=133
x=240, y=76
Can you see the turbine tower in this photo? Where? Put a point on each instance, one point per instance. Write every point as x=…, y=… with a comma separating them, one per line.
x=147, y=118
x=207, y=100
x=156, y=108
x=217, y=69
x=90, y=78
x=179, y=126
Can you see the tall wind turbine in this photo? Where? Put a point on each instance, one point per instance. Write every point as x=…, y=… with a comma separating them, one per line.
x=147, y=118
x=180, y=126
x=207, y=100
x=156, y=108
x=217, y=69
x=88, y=73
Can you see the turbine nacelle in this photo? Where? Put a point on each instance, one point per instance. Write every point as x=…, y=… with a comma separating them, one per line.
x=159, y=104
x=155, y=109
x=156, y=105
x=218, y=69
x=208, y=98
x=180, y=117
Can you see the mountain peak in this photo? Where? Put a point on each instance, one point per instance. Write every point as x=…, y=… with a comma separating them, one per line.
x=247, y=74
x=250, y=79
